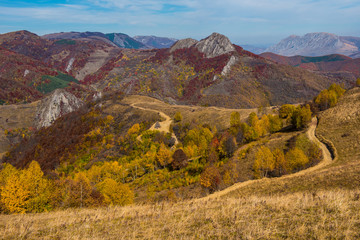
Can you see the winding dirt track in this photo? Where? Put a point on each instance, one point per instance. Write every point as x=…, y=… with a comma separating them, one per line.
x=164, y=125
x=311, y=135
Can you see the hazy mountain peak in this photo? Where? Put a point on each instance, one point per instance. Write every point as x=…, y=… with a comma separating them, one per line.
x=313, y=44
x=155, y=42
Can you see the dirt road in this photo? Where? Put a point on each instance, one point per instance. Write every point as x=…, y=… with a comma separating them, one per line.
x=164, y=125
x=311, y=135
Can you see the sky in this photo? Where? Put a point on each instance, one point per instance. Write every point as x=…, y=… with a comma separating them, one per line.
x=253, y=22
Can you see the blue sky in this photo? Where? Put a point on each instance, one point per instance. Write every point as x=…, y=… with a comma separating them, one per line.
x=254, y=22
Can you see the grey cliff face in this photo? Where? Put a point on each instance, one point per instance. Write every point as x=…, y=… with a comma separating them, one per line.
x=215, y=45
x=60, y=102
x=183, y=43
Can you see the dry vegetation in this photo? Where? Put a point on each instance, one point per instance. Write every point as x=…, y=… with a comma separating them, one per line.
x=318, y=203
x=317, y=215
x=213, y=116
x=15, y=117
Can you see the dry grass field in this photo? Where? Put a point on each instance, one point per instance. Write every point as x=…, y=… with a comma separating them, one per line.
x=216, y=116
x=15, y=116
x=318, y=203
x=320, y=215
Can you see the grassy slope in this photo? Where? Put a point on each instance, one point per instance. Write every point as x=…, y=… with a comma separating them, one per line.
x=321, y=205
x=324, y=215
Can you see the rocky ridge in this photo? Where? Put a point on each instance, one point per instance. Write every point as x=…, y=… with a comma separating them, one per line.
x=57, y=104
x=215, y=45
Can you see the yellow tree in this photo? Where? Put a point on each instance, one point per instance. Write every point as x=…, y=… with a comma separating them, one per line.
x=26, y=191
x=115, y=193
x=264, y=162
x=163, y=155
x=296, y=159
x=280, y=162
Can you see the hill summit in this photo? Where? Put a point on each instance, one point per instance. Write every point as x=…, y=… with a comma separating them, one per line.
x=214, y=45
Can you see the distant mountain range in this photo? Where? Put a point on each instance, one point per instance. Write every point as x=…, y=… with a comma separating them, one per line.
x=334, y=63
x=155, y=42
x=212, y=71
x=117, y=39
x=317, y=44
x=253, y=49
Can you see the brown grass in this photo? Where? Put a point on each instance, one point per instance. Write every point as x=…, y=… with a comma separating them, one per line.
x=216, y=116
x=15, y=116
x=318, y=215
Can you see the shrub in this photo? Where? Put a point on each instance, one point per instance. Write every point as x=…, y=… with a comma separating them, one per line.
x=210, y=178
x=180, y=160
x=178, y=117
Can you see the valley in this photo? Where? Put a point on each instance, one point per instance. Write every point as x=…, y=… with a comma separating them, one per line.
x=105, y=135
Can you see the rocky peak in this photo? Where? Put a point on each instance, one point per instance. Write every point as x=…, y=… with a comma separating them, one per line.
x=183, y=43
x=313, y=44
x=215, y=45
x=59, y=103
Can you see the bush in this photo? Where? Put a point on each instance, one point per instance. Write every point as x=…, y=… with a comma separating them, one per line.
x=180, y=160
x=178, y=117
x=210, y=178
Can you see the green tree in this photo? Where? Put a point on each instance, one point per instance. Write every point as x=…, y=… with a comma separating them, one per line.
x=264, y=162
x=235, y=119
x=358, y=82
x=286, y=111
x=253, y=119
x=301, y=117
x=276, y=123
x=249, y=133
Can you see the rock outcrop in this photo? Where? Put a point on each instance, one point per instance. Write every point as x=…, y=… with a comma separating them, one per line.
x=183, y=43
x=215, y=45
x=57, y=104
